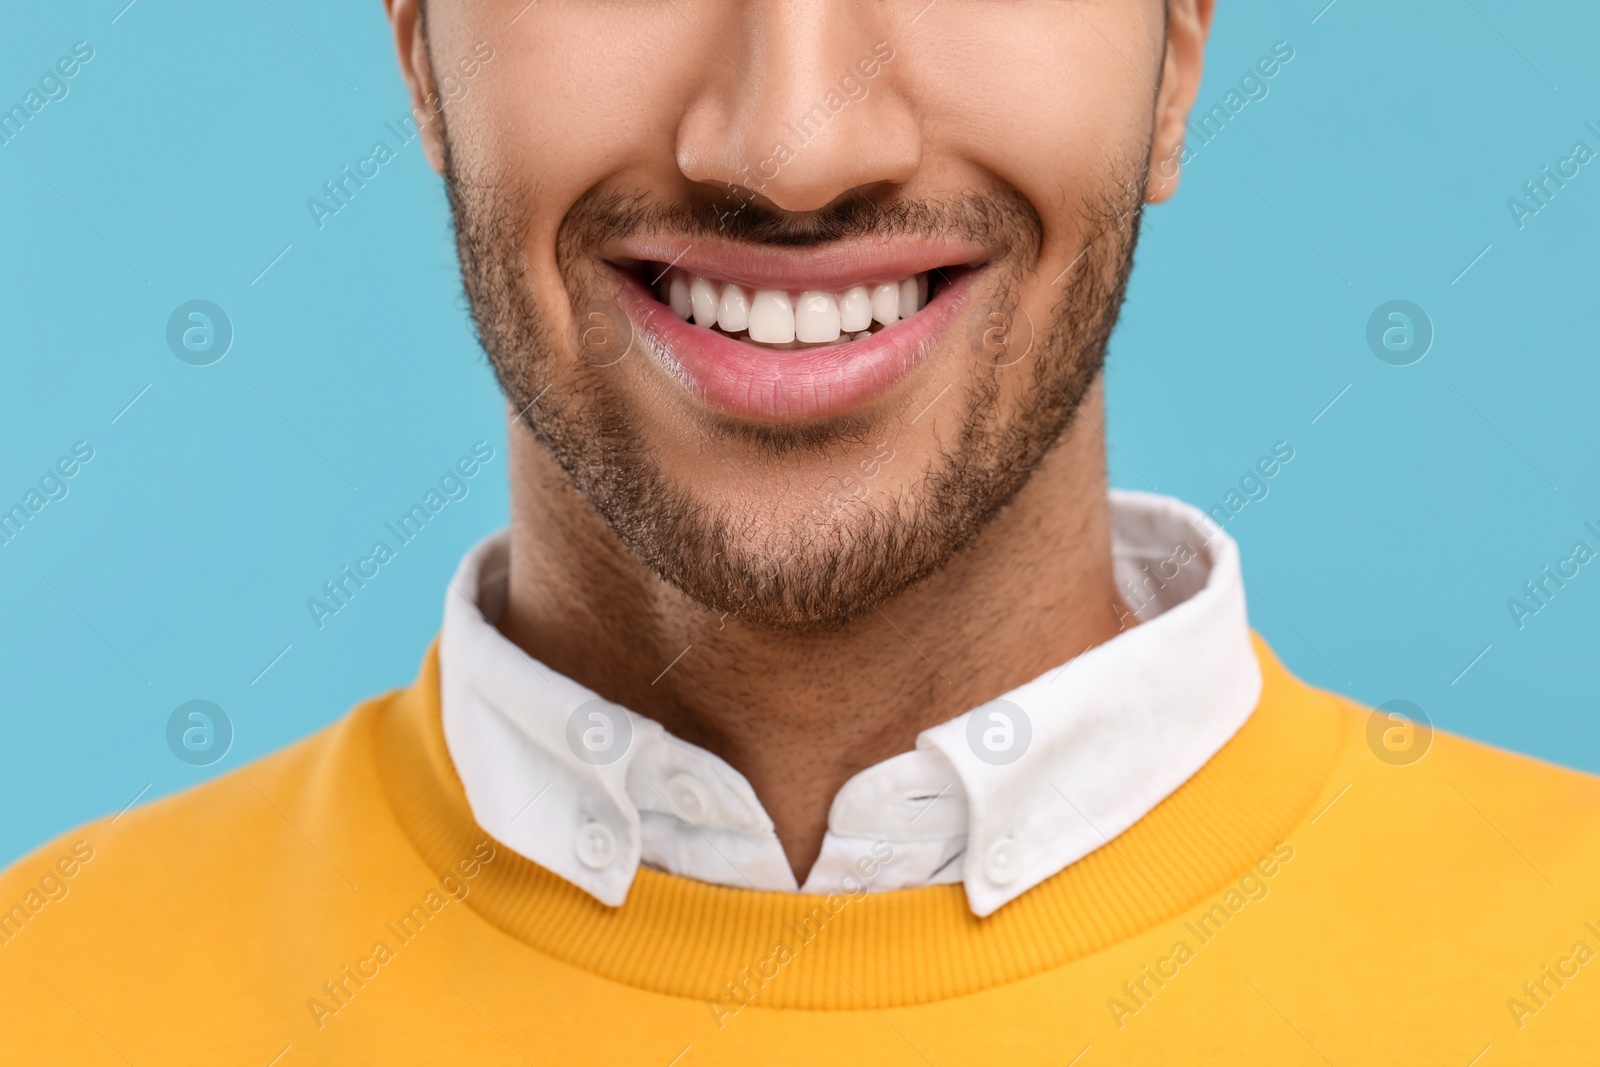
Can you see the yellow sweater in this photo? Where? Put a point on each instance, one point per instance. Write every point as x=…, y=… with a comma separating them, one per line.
x=1298, y=901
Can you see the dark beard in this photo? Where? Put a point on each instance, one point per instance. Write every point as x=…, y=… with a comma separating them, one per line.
x=828, y=567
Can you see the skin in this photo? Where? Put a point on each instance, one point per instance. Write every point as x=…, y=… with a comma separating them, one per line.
x=674, y=101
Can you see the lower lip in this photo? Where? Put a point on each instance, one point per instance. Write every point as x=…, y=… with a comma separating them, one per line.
x=746, y=381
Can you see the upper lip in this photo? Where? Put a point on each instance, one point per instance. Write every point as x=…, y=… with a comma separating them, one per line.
x=835, y=266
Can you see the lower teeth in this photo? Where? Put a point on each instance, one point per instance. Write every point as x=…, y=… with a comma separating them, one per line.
x=843, y=338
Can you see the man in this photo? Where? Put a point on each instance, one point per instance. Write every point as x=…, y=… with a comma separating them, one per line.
x=820, y=705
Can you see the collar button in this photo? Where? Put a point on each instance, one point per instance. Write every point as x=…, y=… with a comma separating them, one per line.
x=688, y=798
x=1004, y=862
x=597, y=845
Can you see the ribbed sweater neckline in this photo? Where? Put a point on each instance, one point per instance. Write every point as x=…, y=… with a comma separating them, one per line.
x=686, y=938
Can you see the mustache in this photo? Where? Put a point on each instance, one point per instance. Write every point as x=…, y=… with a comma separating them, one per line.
x=1002, y=218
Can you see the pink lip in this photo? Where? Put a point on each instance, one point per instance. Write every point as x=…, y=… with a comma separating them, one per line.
x=832, y=267
x=743, y=380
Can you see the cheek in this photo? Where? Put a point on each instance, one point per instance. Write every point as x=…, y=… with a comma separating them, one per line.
x=1044, y=100
x=1040, y=98
x=568, y=101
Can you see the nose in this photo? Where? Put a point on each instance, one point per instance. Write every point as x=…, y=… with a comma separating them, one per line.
x=804, y=105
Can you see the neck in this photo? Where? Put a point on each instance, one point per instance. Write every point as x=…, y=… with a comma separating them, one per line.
x=799, y=714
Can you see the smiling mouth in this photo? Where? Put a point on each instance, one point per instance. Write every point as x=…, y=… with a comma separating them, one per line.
x=785, y=335
x=789, y=320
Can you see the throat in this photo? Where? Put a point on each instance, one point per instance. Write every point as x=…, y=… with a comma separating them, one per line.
x=799, y=712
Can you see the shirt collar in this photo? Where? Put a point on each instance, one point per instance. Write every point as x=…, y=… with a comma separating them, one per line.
x=999, y=798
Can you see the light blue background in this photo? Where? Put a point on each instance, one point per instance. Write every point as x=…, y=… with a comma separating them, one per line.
x=178, y=567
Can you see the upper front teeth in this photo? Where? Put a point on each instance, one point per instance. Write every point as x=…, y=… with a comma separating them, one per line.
x=703, y=297
x=733, y=310
x=816, y=318
x=855, y=309
x=772, y=318
x=775, y=317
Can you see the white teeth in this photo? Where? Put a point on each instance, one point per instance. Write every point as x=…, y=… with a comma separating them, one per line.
x=678, y=297
x=816, y=318
x=774, y=317
x=855, y=310
x=703, y=296
x=733, y=312
x=886, y=303
x=771, y=318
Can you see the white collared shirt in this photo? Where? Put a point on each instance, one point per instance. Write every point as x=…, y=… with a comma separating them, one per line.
x=999, y=798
